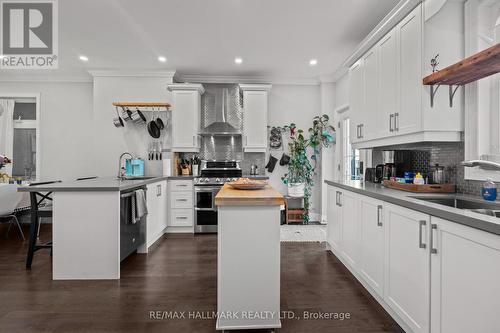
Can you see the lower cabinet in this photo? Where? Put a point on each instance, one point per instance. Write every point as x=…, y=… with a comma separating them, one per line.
x=350, y=227
x=407, y=266
x=334, y=230
x=157, y=211
x=432, y=275
x=465, y=288
x=371, y=243
x=181, y=215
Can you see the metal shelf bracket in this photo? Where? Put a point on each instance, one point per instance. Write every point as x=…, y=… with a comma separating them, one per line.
x=452, y=92
x=434, y=89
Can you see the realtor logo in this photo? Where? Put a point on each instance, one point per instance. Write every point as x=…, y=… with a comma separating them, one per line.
x=28, y=34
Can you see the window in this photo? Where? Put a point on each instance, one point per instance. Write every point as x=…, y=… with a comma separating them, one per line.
x=24, y=155
x=351, y=155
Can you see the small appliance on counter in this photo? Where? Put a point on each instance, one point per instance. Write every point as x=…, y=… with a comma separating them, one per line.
x=134, y=167
x=439, y=174
x=254, y=170
x=370, y=175
x=379, y=173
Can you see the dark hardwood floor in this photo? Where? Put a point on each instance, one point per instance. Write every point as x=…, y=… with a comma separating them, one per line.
x=179, y=274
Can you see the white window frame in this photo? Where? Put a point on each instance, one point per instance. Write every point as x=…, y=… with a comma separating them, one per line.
x=30, y=124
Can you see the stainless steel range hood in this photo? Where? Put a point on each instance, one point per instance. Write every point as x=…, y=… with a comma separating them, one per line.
x=221, y=126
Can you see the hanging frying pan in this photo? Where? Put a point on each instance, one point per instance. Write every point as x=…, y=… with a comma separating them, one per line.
x=159, y=122
x=153, y=129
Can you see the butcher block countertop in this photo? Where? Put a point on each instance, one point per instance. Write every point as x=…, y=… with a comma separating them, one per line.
x=267, y=196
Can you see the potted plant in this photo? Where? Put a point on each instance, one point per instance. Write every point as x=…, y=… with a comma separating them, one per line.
x=300, y=176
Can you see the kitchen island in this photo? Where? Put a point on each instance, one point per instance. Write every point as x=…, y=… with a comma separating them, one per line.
x=248, y=265
x=88, y=232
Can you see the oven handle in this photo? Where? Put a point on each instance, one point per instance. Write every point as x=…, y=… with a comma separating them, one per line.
x=205, y=209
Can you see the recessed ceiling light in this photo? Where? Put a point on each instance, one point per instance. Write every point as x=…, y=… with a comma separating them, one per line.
x=162, y=59
x=238, y=60
x=83, y=58
x=313, y=62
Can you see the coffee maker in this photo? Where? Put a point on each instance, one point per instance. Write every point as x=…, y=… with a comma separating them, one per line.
x=386, y=170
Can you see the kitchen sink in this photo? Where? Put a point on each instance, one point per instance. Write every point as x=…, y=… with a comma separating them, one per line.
x=481, y=207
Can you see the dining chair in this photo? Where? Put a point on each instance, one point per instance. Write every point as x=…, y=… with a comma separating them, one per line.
x=9, y=199
x=40, y=207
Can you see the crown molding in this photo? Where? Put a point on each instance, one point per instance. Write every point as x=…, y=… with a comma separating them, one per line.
x=33, y=78
x=403, y=8
x=187, y=86
x=335, y=76
x=132, y=73
x=245, y=79
x=255, y=87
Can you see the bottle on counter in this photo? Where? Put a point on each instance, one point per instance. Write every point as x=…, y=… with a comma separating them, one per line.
x=489, y=190
x=418, y=180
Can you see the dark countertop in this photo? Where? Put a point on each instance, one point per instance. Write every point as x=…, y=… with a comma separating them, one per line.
x=408, y=200
x=93, y=185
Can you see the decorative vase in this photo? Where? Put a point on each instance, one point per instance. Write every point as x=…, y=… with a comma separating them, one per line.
x=296, y=190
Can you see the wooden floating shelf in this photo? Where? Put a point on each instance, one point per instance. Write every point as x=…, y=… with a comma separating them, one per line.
x=142, y=104
x=473, y=68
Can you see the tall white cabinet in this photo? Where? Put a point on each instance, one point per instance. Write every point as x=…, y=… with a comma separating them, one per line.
x=388, y=102
x=157, y=211
x=186, y=110
x=255, y=110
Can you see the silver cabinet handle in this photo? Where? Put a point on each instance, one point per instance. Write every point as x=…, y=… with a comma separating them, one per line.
x=181, y=217
x=362, y=130
x=181, y=199
x=181, y=185
x=421, y=244
x=158, y=190
x=391, y=129
x=396, y=121
x=340, y=199
x=337, y=198
x=379, y=215
x=433, y=249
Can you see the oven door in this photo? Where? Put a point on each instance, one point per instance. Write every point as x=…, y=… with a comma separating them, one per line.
x=205, y=220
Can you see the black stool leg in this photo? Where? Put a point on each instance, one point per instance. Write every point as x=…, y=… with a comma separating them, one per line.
x=33, y=234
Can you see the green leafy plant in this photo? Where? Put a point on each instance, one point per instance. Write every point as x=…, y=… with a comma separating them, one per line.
x=300, y=168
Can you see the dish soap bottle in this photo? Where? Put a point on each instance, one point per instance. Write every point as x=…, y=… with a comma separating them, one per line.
x=489, y=190
x=419, y=180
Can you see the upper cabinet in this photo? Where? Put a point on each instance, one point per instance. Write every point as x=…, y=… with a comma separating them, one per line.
x=186, y=109
x=255, y=109
x=388, y=102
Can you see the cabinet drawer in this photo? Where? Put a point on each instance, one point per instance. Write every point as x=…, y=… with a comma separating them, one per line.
x=181, y=200
x=181, y=217
x=181, y=185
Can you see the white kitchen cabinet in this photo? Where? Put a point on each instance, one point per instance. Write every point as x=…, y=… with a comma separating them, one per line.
x=409, y=32
x=348, y=203
x=407, y=266
x=186, y=109
x=387, y=89
x=156, y=198
x=372, y=243
x=255, y=109
x=334, y=228
x=389, y=105
x=465, y=266
x=356, y=101
x=181, y=206
x=369, y=129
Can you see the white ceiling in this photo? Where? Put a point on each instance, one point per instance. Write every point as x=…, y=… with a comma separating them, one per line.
x=275, y=38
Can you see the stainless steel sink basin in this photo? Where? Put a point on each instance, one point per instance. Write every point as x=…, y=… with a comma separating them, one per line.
x=481, y=207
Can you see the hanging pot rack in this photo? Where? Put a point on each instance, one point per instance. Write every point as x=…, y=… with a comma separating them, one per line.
x=144, y=106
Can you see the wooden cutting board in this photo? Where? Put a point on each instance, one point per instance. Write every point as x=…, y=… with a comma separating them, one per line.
x=427, y=188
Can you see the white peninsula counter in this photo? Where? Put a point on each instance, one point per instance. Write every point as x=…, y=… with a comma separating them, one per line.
x=248, y=272
x=90, y=234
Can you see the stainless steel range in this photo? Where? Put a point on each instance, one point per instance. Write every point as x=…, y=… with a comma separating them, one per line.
x=213, y=175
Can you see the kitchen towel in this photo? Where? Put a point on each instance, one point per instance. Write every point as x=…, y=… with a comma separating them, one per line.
x=141, y=208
